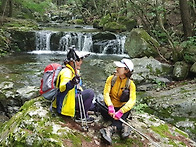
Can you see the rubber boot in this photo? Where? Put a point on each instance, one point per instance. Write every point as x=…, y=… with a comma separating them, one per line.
x=125, y=132
x=107, y=133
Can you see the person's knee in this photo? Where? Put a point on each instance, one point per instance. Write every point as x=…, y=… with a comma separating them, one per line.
x=91, y=93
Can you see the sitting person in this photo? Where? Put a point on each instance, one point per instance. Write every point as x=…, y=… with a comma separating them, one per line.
x=66, y=101
x=118, y=108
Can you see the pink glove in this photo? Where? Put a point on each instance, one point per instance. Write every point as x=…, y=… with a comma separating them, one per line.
x=118, y=114
x=111, y=109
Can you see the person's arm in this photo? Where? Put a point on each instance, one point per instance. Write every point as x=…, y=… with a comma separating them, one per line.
x=65, y=77
x=106, y=93
x=132, y=99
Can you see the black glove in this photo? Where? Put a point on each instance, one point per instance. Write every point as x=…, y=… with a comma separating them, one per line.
x=75, y=80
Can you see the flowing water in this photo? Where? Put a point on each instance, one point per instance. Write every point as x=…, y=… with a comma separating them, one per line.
x=26, y=69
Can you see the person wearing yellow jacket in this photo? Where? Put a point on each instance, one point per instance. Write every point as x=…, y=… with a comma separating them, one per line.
x=113, y=98
x=69, y=83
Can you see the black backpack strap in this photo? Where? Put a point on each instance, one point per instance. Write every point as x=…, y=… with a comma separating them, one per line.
x=113, y=81
x=128, y=82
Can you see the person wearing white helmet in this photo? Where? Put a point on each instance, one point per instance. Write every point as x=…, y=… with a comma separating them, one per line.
x=69, y=84
x=87, y=94
x=119, y=98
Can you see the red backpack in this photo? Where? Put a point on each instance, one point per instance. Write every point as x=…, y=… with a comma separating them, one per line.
x=48, y=83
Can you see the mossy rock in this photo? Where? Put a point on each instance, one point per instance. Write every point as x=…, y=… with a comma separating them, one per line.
x=114, y=27
x=139, y=44
x=34, y=125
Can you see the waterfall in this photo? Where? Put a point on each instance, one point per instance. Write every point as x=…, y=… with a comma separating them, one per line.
x=83, y=41
x=43, y=40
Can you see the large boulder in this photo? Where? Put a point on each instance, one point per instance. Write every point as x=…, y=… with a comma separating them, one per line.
x=149, y=69
x=176, y=106
x=139, y=44
x=34, y=125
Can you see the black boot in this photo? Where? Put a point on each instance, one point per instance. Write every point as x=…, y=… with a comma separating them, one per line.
x=125, y=132
x=107, y=133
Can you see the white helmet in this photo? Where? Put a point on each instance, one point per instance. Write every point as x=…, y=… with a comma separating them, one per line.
x=125, y=63
x=82, y=54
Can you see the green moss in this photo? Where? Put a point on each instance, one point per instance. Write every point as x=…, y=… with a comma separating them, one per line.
x=27, y=105
x=79, y=21
x=114, y=26
x=105, y=20
x=75, y=138
x=128, y=142
x=171, y=142
x=182, y=143
x=162, y=130
x=181, y=133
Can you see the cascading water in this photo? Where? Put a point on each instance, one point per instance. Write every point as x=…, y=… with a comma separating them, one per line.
x=61, y=41
x=43, y=40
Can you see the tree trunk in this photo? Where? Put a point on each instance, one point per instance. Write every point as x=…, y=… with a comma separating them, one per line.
x=10, y=3
x=186, y=18
x=3, y=5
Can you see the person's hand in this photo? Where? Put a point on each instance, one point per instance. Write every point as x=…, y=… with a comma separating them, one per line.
x=118, y=115
x=111, y=110
x=75, y=80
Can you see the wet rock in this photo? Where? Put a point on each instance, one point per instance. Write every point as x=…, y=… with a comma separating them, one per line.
x=27, y=92
x=6, y=85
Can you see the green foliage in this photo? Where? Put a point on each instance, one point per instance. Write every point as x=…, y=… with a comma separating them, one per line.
x=160, y=35
x=190, y=42
x=159, y=84
x=114, y=26
x=4, y=43
x=140, y=108
x=35, y=5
